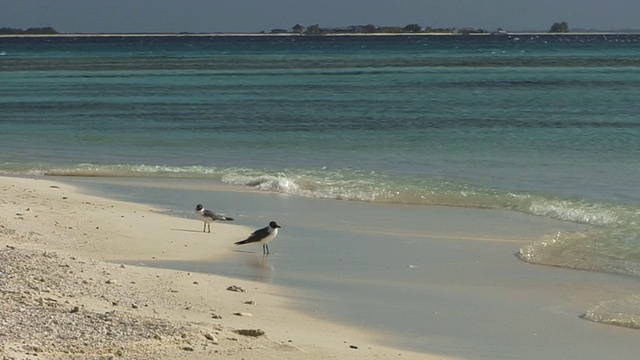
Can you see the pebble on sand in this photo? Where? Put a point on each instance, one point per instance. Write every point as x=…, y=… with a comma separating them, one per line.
x=250, y=332
x=236, y=288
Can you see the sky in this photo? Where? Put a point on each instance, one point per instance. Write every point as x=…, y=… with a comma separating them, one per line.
x=208, y=16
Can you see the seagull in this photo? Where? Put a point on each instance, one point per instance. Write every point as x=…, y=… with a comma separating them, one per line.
x=262, y=236
x=209, y=216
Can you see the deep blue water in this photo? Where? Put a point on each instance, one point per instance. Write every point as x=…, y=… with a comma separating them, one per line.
x=544, y=125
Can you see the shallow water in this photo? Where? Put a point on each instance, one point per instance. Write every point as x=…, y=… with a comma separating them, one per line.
x=433, y=279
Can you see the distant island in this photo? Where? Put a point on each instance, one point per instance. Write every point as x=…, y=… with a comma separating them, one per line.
x=373, y=29
x=556, y=28
x=29, y=31
x=316, y=30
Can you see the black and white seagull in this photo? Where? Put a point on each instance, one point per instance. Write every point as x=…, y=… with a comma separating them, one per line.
x=209, y=216
x=262, y=236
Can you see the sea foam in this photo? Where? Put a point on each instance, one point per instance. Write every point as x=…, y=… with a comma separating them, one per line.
x=623, y=311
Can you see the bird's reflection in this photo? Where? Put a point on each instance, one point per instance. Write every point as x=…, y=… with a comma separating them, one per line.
x=261, y=267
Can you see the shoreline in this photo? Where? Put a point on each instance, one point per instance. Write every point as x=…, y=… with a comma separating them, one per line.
x=360, y=281
x=56, y=247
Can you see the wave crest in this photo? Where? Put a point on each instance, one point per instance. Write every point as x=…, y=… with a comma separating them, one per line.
x=576, y=211
x=624, y=312
x=611, y=249
x=264, y=182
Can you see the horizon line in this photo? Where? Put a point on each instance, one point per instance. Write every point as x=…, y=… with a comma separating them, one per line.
x=506, y=33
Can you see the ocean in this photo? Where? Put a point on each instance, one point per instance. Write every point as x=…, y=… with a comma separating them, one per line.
x=540, y=125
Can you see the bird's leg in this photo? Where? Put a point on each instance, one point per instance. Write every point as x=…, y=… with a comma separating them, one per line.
x=267, y=246
x=204, y=229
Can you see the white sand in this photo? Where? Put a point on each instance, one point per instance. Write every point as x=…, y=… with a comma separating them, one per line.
x=60, y=298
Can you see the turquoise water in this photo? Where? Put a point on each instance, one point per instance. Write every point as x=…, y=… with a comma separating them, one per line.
x=543, y=125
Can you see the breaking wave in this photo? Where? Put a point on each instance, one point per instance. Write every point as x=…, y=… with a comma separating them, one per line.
x=358, y=185
x=624, y=312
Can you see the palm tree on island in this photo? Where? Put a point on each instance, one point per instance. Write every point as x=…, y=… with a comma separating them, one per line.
x=298, y=28
x=559, y=27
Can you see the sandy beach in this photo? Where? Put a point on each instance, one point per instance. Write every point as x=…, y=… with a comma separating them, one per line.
x=62, y=299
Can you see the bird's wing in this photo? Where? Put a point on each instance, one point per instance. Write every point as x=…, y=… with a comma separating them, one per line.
x=215, y=217
x=255, y=236
x=212, y=215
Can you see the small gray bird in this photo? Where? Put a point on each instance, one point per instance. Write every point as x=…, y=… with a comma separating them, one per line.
x=262, y=236
x=209, y=216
